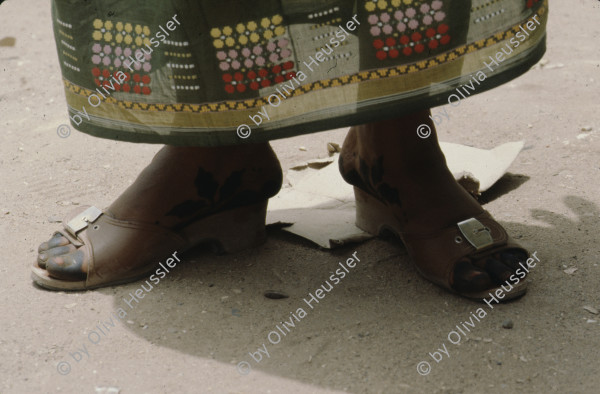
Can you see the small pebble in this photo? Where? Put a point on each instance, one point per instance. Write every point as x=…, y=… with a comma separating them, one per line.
x=7, y=42
x=275, y=295
x=586, y=128
x=591, y=309
x=333, y=147
x=302, y=148
x=591, y=321
x=488, y=340
x=507, y=324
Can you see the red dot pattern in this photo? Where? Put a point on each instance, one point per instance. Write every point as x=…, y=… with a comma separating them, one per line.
x=413, y=43
x=138, y=83
x=255, y=79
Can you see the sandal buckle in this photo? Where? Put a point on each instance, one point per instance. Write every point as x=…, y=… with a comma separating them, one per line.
x=82, y=220
x=476, y=233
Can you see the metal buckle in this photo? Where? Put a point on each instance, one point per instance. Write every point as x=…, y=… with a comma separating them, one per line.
x=476, y=233
x=82, y=220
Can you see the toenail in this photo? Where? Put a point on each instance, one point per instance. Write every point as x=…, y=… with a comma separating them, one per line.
x=43, y=256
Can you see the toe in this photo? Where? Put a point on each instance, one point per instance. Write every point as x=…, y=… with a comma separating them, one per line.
x=470, y=279
x=67, y=266
x=498, y=271
x=512, y=258
x=55, y=241
x=488, y=272
x=54, y=252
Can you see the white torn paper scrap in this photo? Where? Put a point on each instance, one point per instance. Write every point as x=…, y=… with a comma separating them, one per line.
x=319, y=205
x=484, y=166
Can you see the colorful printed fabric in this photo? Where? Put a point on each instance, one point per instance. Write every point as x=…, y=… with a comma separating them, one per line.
x=191, y=72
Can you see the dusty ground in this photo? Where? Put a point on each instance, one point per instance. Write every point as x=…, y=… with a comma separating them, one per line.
x=366, y=336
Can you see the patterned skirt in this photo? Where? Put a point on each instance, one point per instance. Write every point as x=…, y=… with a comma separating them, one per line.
x=208, y=73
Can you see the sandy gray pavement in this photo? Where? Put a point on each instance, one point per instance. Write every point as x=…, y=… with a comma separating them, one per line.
x=371, y=331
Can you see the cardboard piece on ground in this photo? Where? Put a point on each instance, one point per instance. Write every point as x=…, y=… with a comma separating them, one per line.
x=319, y=205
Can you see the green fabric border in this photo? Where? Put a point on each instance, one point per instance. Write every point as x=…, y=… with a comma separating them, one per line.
x=366, y=115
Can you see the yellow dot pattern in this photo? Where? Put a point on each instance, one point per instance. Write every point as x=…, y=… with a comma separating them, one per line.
x=119, y=32
x=249, y=33
x=390, y=5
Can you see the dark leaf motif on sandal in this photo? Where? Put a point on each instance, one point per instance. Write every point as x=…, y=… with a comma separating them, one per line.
x=232, y=183
x=371, y=180
x=206, y=185
x=229, y=196
x=207, y=188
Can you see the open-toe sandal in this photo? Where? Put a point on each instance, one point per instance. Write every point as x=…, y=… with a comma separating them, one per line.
x=119, y=251
x=436, y=254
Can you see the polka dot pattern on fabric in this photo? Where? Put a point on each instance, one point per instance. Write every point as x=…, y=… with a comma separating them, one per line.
x=407, y=27
x=253, y=55
x=113, y=43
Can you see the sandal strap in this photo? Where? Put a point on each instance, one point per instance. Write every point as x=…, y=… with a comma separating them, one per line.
x=437, y=253
x=76, y=221
x=137, y=244
x=476, y=233
x=82, y=220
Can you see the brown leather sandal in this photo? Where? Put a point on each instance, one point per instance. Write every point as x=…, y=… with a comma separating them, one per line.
x=436, y=254
x=140, y=246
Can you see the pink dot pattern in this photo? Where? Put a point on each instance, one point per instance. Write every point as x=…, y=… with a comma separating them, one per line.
x=250, y=57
